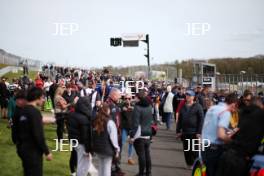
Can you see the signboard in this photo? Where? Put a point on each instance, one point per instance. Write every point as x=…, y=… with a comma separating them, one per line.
x=131, y=43
x=133, y=37
x=207, y=80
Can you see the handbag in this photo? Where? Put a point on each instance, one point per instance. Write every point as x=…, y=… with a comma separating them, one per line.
x=154, y=129
x=92, y=170
x=48, y=105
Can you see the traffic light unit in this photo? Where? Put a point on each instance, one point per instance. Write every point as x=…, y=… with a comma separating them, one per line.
x=115, y=42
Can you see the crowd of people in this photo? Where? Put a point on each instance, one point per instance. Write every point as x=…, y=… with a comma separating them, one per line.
x=94, y=109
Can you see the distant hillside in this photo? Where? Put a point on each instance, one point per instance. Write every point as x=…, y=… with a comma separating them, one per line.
x=252, y=65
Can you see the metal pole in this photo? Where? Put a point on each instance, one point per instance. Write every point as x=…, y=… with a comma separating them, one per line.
x=148, y=60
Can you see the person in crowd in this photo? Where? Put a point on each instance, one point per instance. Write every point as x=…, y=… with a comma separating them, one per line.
x=25, y=67
x=21, y=101
x=39, y=82
x=115, y=114
x=178, y=102
x=4, y=97
x=203, y=97
x=46, y=87
x=13, y=85
x=94, y=95
x=52, y=91
x=198, y=90
x=168, y=107
x=29, y=135
x=244, y=102
x=105, y=129
x=80, y=128
x=61, y=110
x=141, y=133
x=156, y=104
x=189, y=126
x=258, y=102
x=70, y=97
x=235, y=161
x=104, y=90
x=126, y=124
x=261, y=96
x=12, y=106
x=74, y=86
x=215, y=129
x=178, y=98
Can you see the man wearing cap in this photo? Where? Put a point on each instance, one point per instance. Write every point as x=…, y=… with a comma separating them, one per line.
x=189, y=126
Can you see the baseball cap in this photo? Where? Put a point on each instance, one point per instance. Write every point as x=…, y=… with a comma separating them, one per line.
x=190, y=93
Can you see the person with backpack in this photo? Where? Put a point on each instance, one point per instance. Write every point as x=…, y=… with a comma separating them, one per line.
x=94, y=96
x=80, y=129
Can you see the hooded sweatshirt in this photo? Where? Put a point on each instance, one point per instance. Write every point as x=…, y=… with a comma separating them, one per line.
x=80, y=123
x=142, y=116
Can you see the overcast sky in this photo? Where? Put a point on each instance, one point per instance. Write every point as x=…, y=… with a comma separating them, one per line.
x=27, y=29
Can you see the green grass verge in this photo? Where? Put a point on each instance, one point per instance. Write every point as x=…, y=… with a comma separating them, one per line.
x=10, y=163
x=11, y=75
x=3, y=65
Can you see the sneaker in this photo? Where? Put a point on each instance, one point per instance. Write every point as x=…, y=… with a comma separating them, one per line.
x=131, y=162
x=73, y=174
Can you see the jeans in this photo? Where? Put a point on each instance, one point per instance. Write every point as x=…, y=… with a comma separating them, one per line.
x=130, y=146
x=211, y=157
x=83, y=161
x=142, y=147
x=105, y=163
x=168, y=117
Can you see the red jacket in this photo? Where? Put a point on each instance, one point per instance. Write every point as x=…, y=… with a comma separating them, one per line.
x=39, y=83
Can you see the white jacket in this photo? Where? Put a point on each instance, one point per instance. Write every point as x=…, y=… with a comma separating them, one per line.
x=168, y=107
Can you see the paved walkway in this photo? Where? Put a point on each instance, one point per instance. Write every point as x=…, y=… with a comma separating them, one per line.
x=167, y=156
x=166, y=152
